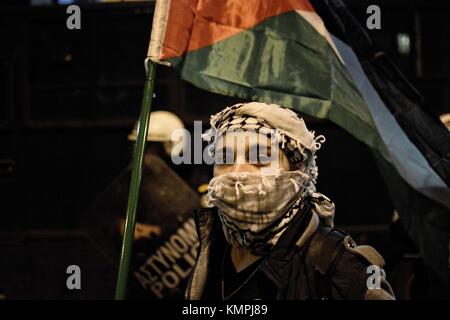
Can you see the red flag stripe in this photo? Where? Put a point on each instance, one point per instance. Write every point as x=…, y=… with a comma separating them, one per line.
x=195, y=24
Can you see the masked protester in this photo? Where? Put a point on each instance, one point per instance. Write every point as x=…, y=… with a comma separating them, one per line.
x=267, y=233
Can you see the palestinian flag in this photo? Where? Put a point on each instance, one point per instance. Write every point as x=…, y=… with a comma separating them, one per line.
x=281, y=52
x=270, y=51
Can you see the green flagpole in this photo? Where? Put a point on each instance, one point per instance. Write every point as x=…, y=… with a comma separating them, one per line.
x=133, y=196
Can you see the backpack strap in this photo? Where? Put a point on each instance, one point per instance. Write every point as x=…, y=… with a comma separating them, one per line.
x=323, y=251
x=324, y=248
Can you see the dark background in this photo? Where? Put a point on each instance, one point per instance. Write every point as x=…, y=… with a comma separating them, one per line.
x=68, y=99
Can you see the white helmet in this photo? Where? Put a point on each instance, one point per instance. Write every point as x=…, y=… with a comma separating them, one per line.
x=162, y=125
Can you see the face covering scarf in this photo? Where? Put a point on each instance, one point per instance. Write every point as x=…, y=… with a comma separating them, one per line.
x=255, y=208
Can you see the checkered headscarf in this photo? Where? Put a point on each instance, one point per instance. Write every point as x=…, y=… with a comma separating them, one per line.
x=297, y=142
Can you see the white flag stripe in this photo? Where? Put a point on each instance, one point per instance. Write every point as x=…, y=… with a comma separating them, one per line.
x=159, y=26
x=405, y=156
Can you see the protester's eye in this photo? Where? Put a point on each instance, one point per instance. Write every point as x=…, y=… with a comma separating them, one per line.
x=224, y=156
x=263, y=159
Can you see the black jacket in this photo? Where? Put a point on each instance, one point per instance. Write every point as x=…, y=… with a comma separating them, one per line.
x=309, y=261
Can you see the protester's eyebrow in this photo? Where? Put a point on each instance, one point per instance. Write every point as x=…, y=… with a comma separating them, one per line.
x=225, y=150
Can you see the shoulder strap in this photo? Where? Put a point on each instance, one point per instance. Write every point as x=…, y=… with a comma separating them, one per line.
x=328, y=251
x=323, y=252
x=324, y=249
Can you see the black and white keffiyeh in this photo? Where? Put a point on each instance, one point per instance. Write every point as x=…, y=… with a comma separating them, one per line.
x=252, y=230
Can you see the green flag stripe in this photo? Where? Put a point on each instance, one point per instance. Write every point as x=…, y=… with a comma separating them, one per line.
x=292, y=66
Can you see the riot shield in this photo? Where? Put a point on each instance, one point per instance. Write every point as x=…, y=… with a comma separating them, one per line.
x=165, y=240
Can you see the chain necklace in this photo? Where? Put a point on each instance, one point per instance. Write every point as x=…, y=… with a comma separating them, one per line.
x=222, y=287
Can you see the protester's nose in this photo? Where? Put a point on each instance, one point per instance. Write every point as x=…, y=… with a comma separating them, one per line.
x=244, y=167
